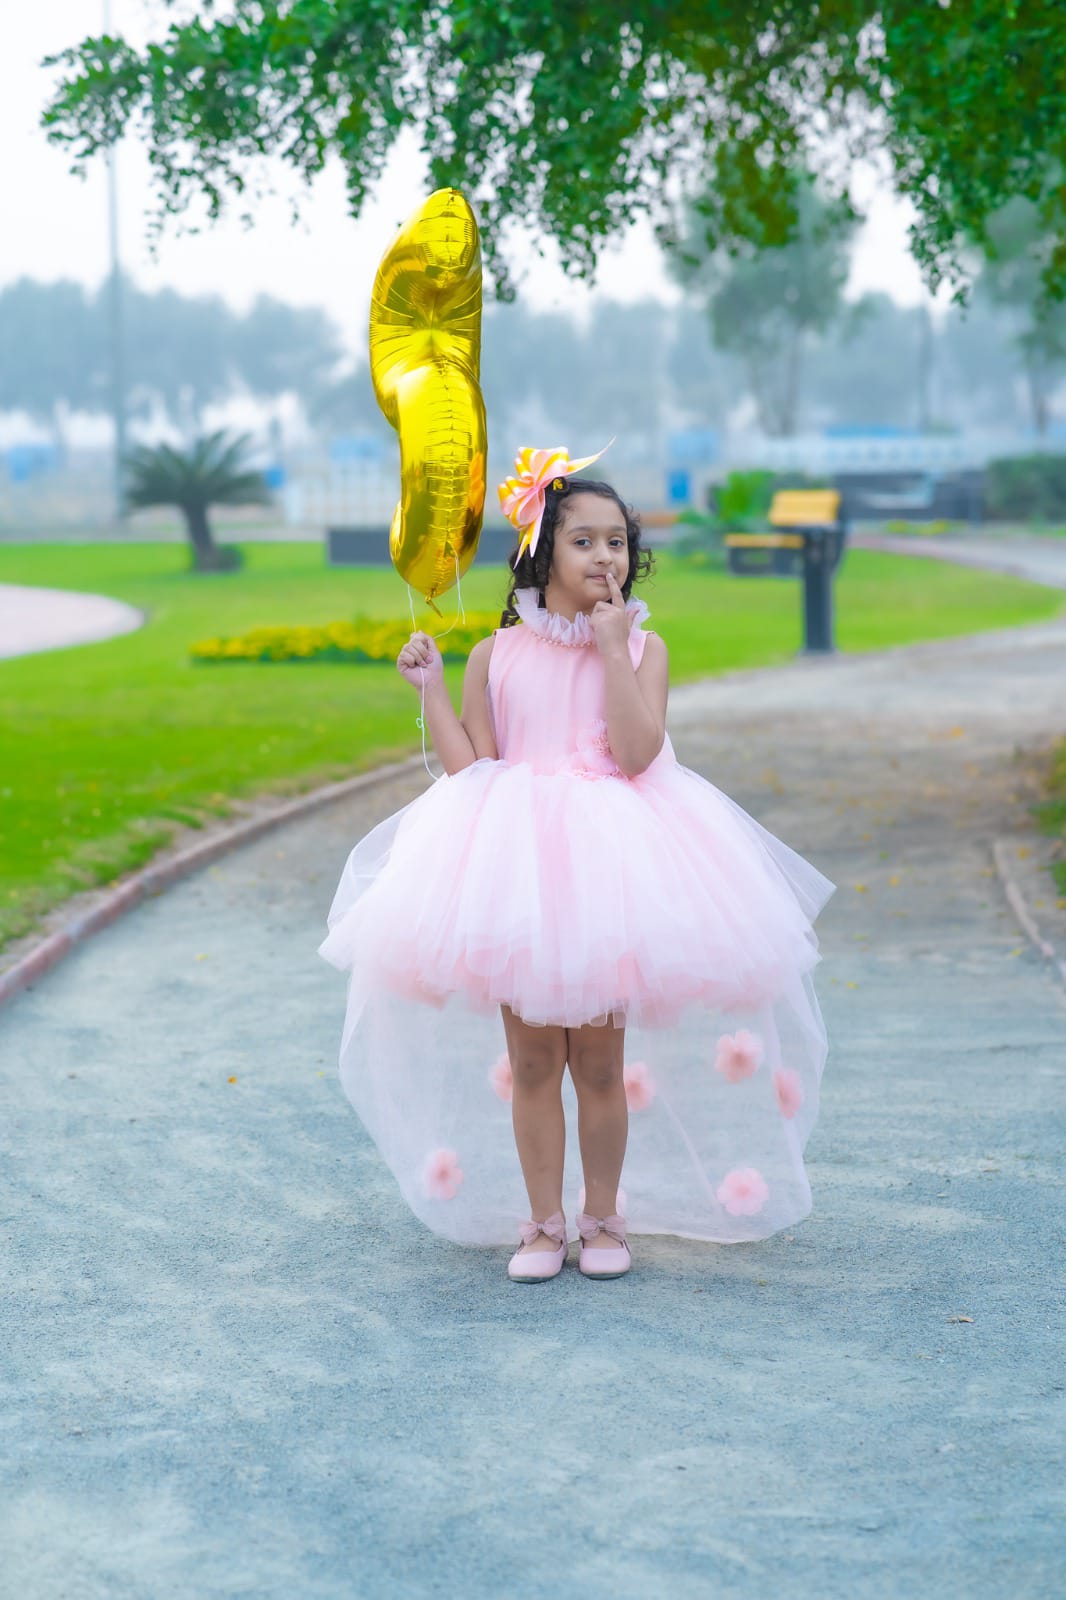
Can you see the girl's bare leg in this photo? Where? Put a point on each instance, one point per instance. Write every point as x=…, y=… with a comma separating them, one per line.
x=538, y=1058
x=595, y=1055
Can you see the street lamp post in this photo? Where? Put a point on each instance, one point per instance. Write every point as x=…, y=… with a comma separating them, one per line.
x=115, y=318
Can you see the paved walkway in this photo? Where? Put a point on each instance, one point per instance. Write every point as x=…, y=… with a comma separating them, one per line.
x=51, y=619
x=235, y=1365
x=34, y=619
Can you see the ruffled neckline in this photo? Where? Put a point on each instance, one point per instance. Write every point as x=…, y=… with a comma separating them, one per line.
x=561, y=630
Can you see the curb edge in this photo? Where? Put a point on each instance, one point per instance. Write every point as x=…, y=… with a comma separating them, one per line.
x=1022, y=910
x=152, y=880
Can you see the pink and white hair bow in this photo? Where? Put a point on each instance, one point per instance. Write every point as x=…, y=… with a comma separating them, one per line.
x=522, y=497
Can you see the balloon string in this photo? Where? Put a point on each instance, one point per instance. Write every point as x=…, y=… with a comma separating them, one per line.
x=420, y=720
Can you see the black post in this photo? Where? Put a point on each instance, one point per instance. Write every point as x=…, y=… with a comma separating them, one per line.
x=817, y=591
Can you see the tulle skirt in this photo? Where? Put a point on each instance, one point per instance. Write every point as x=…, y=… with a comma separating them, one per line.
x=655, y=904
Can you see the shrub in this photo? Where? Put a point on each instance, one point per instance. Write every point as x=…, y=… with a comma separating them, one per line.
x=361, y=639
x=743, y=497
x=698, y=541
x=1026, y=486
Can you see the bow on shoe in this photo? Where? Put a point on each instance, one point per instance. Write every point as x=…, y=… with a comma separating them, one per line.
x=553, y=1227
x=588, y=1227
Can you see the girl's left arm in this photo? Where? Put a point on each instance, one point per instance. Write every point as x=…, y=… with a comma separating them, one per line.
x=636, y=704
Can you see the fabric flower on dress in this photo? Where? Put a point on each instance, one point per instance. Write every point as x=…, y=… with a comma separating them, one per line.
x=639, y=1085
x=738, y=1055
x=743, y=1192
x=789, y=1091
x=593, y=758
x=441, y=1175
x=502, y=1078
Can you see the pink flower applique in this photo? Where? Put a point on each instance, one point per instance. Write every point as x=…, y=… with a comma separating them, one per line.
x=442, y=1175
x=594, y=758
x=502, y=1078
x=738, y=1055
x=743, y=1192
x=789, y=1091
x=639, y=1085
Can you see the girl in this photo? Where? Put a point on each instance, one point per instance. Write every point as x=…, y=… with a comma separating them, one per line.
x=568, y=914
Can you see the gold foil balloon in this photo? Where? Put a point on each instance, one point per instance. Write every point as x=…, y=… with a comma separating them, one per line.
x=425, y=353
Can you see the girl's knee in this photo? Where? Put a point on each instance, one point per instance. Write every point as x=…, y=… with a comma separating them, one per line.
x=595, y=1069
x=533, y=1064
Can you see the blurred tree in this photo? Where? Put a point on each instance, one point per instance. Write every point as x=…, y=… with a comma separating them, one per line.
x=278, y=348
x=625, y=377
x=867, y=370
x=529, y=363
x=579, y=115
x=1017, y=251
x=214, y=471
x=53, y=357
x=704, y=384
x=765, y=303
x=543, y=373
x=347, y=403
x=176, y=351
x=183, y=352
x=979, y=383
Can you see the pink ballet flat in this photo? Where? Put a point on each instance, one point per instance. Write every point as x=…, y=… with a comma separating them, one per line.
x=603, y=1263
x=536, y=1266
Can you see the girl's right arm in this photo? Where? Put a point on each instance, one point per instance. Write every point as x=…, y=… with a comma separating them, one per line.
x=458, y=742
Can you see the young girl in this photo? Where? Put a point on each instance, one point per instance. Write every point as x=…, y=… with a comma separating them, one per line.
x=570, y=913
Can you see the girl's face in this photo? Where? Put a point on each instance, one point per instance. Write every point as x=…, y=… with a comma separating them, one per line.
x=590, y=541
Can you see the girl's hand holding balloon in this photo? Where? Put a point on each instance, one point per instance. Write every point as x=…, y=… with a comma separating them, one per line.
x=610, y=622
x=420, y=655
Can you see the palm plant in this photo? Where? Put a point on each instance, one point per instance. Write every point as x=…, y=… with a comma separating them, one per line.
x=212, y=472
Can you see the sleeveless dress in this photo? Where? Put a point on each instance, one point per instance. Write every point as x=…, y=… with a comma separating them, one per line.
x=549, y=881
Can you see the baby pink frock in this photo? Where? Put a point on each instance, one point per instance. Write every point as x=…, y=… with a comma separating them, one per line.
x=549, y=881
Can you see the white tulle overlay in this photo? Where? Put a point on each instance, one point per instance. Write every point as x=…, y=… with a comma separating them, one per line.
x=548, y=881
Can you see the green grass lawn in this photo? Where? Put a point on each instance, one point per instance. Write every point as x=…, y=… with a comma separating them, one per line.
x=108, y=747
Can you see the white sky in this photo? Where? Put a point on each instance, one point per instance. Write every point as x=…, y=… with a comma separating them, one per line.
x=55, y=225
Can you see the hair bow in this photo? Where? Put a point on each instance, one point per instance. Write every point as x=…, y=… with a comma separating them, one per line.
x=522, y=497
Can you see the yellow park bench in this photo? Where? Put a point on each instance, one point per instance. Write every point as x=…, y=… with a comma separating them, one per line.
x=805, y=539
x=780, y=555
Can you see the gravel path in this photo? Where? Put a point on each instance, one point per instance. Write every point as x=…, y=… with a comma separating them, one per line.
x=235, y=1365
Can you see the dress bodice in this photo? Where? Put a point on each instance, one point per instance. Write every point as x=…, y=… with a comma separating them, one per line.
x=547, y=690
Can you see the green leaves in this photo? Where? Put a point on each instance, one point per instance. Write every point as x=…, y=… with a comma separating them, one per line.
x=578, y=115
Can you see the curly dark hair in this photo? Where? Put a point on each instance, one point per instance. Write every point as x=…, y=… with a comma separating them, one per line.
x=532, y=571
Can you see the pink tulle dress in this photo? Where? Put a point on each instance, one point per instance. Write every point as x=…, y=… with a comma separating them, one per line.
x=548, y=881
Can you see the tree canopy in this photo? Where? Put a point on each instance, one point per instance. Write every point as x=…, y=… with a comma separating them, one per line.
x=764, y=304
x=580, y=115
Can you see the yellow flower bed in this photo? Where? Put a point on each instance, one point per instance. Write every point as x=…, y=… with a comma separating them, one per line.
x=930, y=530
x=362, y=639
